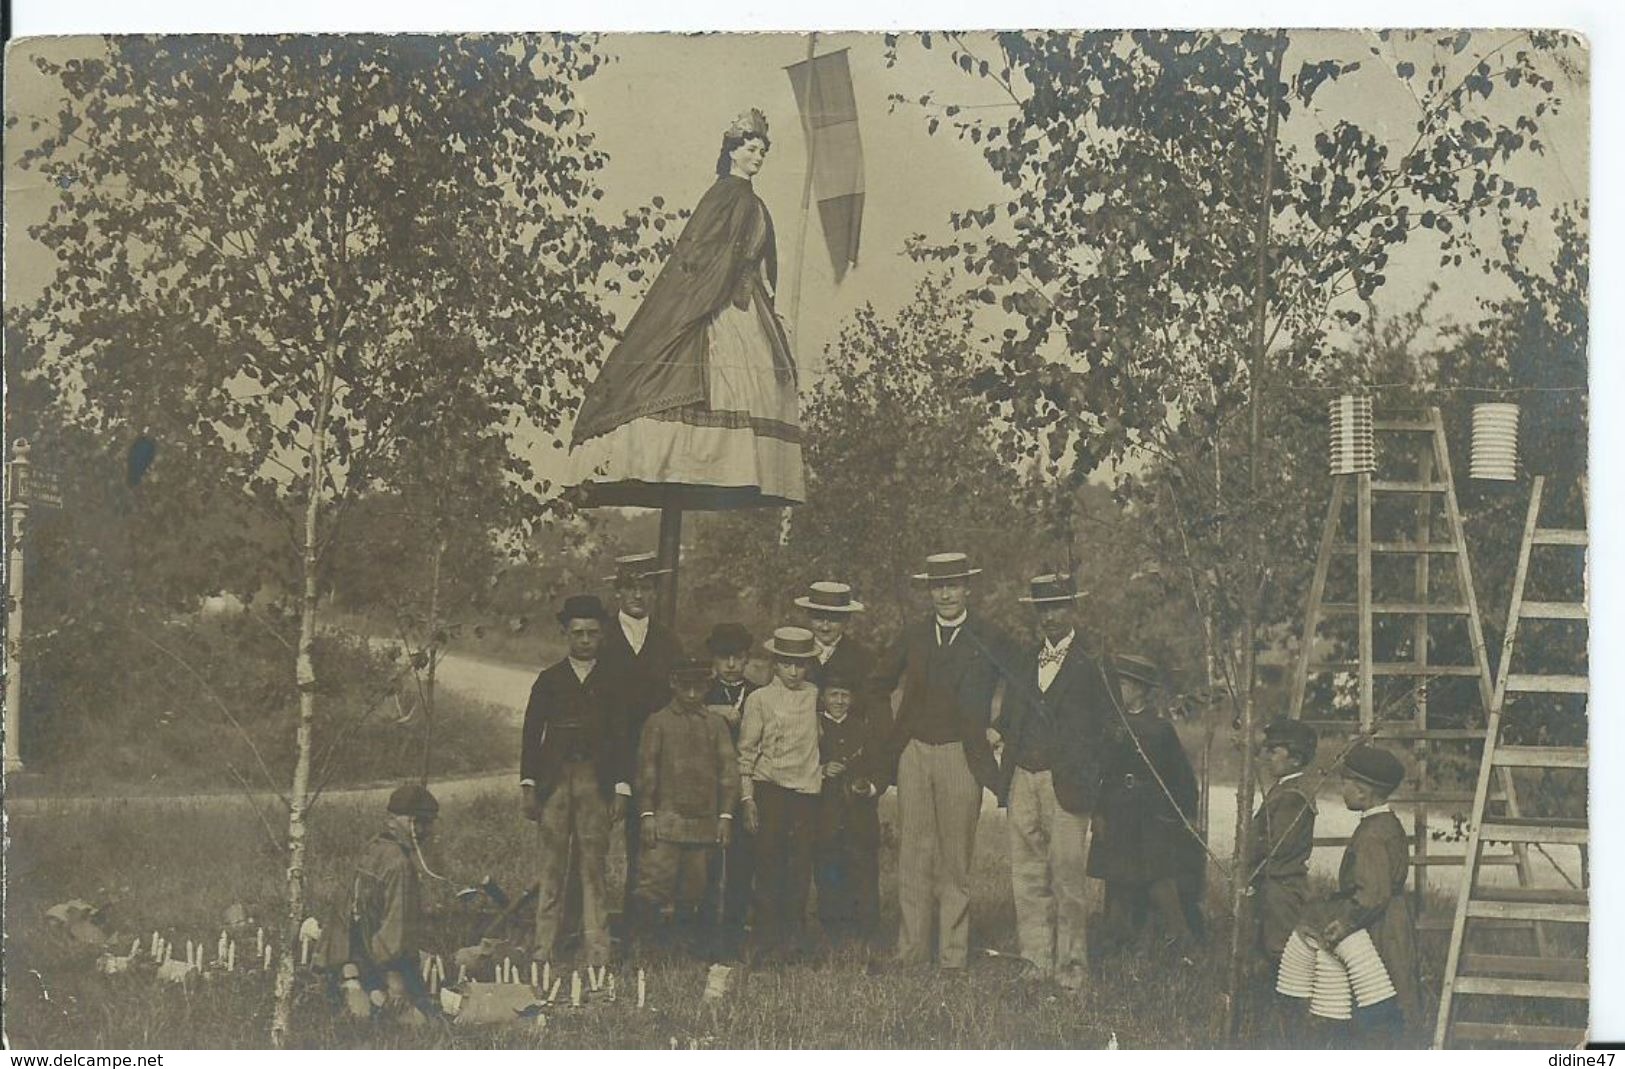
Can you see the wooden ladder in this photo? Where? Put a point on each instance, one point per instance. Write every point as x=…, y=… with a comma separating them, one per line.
x=1544, y=976
x=1432, y=482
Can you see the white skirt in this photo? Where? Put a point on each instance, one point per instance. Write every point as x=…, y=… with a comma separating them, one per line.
x=748, y=435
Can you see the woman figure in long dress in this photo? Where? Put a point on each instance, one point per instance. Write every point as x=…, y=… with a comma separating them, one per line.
x=697, y=404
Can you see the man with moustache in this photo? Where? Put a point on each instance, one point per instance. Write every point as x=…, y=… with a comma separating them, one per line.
x=1052, y=725
x=830, y=608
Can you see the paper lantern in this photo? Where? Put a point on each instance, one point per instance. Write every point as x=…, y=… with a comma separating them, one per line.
x=1353, y=443
x=1333, y=997
x=1368, y=976
x=1495, y=442
x=1296, y=976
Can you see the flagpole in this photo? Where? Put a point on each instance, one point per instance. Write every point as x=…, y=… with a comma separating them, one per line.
x=806, y=195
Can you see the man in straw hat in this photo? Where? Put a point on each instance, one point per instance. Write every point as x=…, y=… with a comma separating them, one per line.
x=1142, y=844
x=938, y=746
x=1057, y=699
x=1370, y=894
x=376, y=947
x=575, y=772
x=780, y=780
x=830, y=608
x=640, y=651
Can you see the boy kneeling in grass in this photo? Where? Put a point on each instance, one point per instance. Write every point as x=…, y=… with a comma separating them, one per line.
x=687, y=786
x=375, y=948
x=1370, y=896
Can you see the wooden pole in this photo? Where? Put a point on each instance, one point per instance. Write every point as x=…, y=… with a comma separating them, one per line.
x=1240, y=940
x=671, y=544
x=17, y=517
x=806, y=197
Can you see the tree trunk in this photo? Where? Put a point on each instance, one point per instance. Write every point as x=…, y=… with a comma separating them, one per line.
x=434, y=655
x=1241, y=881
x=298, y=799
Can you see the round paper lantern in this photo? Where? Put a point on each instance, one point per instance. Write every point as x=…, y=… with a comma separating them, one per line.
x=1495, y=442
x=1353, y=445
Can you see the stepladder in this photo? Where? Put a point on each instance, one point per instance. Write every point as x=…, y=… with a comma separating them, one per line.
x=1537, y=735
x=1393, y=645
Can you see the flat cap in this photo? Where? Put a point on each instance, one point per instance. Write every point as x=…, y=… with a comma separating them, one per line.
x=1375, y=766
x=414, y=800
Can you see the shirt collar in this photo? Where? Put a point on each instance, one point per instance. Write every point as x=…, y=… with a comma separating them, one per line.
x=1062, y=646
x=832, y=720
x=582, y=668
x=955, y=622
x=1290, y=775
x=825, y=652
x=633, y=626
x=1374, y=810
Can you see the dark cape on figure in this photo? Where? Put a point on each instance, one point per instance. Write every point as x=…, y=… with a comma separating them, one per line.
x=660, y=362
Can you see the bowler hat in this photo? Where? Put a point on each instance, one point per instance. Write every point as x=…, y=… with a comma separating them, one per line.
x=728, y=638
x=635, y=566
x=413, y=800
x=1140, y=669
x=827, y=596
x=691, y=670
x=582, y=607
x=1375, y=766
x=1051, y=588
x=1294, y=736
x=944, y=566
x=793, y=643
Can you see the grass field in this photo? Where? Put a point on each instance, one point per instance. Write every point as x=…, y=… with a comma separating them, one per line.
x=175, y=868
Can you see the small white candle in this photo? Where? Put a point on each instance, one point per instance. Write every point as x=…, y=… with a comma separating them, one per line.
x=643, y=989
x=155, y=946
x=553, y=992
x=259, y=941
x=547, y=975
x=535, y=974
x=267, y=956
x=231, y=956
x=304, y=951
x=575, y=987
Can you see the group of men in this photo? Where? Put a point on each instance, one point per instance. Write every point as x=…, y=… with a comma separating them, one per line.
x=1075, y=752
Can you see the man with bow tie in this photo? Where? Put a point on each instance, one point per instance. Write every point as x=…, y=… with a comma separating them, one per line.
x=940, y=755
x=1052, y=723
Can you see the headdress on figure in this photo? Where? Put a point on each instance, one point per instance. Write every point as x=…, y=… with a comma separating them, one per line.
x=750, y=123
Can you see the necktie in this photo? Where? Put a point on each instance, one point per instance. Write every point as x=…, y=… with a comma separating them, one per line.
x=946, y=633
x=1050, y=655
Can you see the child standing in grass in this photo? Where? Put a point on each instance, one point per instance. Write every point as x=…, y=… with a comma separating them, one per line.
x=780, y=781
x=1371, y=895
x=1283, y=835
x=686, y=787
x=847, y=856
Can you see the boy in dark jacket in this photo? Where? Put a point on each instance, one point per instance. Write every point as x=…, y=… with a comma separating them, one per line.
x=1283, y=835
x=846, y=868
x=730, y=878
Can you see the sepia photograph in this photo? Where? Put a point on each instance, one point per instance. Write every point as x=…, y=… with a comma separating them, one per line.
x=936, y=539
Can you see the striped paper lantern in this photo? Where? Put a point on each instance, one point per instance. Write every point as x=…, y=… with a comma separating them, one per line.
x=1353, y=444
x=1495, y=442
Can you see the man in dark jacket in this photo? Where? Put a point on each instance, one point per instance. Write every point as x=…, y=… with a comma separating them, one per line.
x=730, y=878
x=1143, y=846
x=575, y=772
x=942, y=760
x=830, y=608
x=1052, y=722
x=640, y=653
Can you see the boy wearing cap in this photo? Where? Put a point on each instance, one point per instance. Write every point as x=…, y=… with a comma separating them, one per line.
x=1052, y=723
x=1283, y=836
x=940, y=756
x=846, y=866
x=830, y=608
x=729, y=879
x=1371, y=893
x=377, y=949
x=575, y=772
x=780, y=781
x=686, y=788
x=1141, y=844
x=641, y=652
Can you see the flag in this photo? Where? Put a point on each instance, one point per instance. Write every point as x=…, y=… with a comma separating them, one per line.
x=829, y=113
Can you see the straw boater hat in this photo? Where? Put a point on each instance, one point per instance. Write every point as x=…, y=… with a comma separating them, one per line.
x=635, y=566
x=1140, y=669
x=582, y=607
x=829, y=597
x=941, y=566
x=793, y=643
x=1375, y=766
x=1047, y=589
